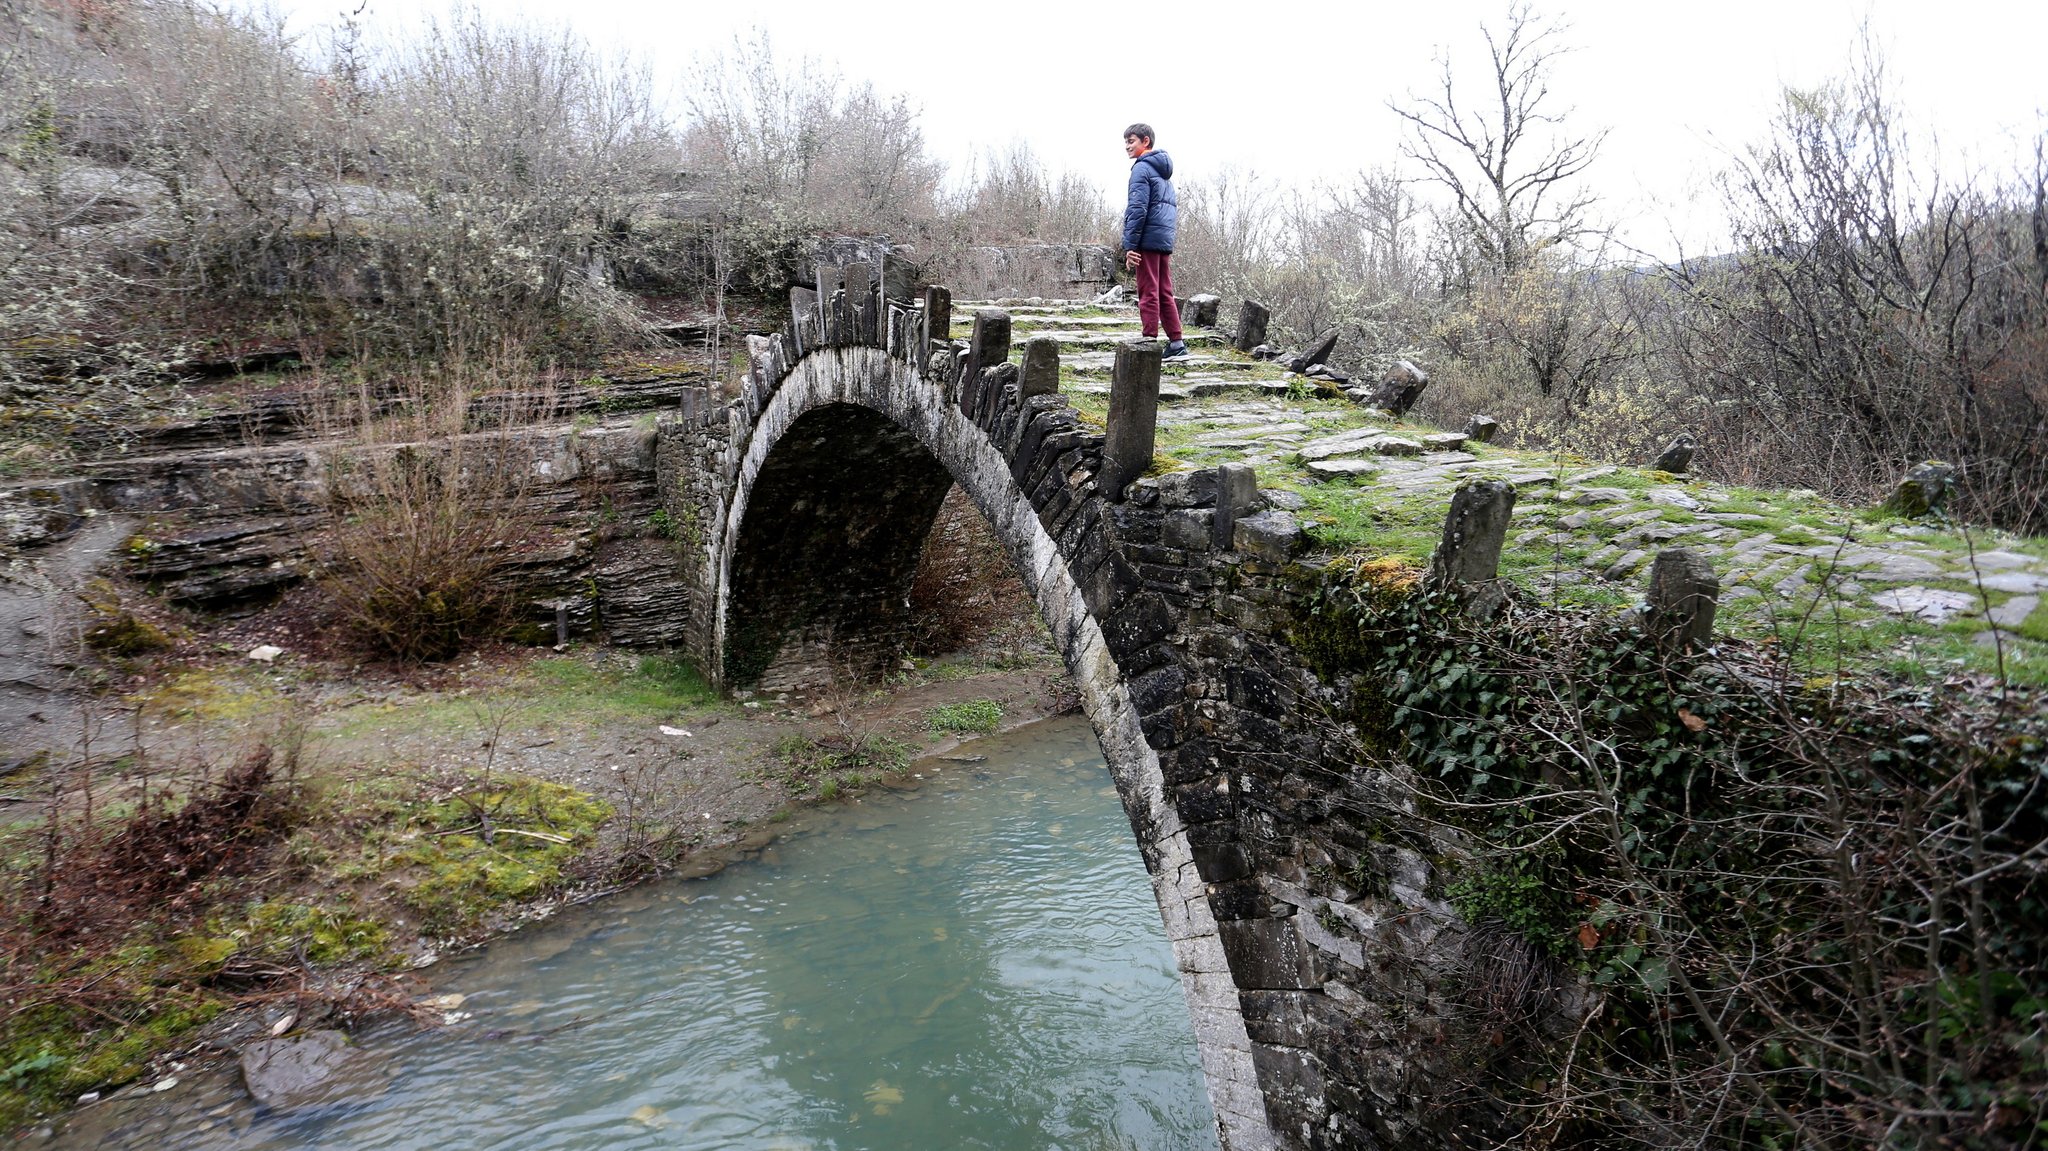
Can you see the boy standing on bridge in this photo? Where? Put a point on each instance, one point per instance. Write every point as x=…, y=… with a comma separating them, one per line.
x=1150, y=219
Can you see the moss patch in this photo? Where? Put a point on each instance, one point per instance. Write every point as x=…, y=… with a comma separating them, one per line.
x=483, y=843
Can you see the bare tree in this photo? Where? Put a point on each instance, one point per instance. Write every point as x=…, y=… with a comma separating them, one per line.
x=1874, y=311
x=1508, y=165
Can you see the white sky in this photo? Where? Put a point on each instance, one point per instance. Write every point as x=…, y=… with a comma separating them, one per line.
x=1296, y=90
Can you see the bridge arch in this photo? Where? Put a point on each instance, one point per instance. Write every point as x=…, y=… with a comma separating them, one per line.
x=888, y=443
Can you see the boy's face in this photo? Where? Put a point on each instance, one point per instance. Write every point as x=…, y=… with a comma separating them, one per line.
x=1136, y=146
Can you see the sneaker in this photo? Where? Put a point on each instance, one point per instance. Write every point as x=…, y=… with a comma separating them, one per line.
x=1177, y=350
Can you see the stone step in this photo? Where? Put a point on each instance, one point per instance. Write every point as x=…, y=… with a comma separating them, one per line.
x=1071, y=338
x=1089, y=361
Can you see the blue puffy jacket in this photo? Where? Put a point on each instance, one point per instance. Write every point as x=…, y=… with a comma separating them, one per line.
x=1153, y=213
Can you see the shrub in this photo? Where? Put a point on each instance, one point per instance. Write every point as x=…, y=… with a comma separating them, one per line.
x=429, y=520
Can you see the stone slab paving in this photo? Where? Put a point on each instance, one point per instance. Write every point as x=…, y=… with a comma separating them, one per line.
x=1584, y=531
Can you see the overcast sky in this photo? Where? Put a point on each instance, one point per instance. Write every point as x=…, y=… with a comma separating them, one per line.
x=1296, y=91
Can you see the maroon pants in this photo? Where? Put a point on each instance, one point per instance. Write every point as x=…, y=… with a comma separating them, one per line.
x=1155, y=294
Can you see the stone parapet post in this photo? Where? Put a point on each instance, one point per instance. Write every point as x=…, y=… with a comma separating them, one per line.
x=1133, y=415
x=1467, y=559
x=1683, y=597
x=1041, y=376
x=1251, y=325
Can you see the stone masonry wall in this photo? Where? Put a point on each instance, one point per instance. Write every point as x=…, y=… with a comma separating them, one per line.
x=1326, y=995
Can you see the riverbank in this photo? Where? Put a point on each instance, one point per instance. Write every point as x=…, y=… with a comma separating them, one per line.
x=248, y=846
x=972, y=955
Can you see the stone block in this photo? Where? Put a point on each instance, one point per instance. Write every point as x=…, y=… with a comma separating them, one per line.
x=1143, y=622
x=1164, y=729
x=1677, y=455
x=1191, y=529
x=1252, y=318
x=1683, y=596
x=938, y=314
x=1275, y=1017
x=1196, y=489
x=1271, y=535
x=1204, y=800
x=1041, y=374
x=1200, y=310
x=860, y=294
x=1481, y=429
x=803, y=314
x=1467, y=558
x=1269, y=954
x=990, y=343
x=1237, y=494
x=1222, y=861
x=1160, y=688
x=1133, y=415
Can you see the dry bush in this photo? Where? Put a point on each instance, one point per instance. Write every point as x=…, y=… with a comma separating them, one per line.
x=518, y=161
x=173, y=846
x=1751, y=910
x=1873, y=315
x=188, y=169
x=1011, y=197
x=430, y=514
x=1354, y=258
x=774, y=138
x=781, y=152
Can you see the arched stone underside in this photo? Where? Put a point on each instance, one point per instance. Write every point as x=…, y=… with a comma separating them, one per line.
x=837, y=479
x=847, y=486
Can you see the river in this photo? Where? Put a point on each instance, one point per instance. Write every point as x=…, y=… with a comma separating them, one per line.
x=974, y=963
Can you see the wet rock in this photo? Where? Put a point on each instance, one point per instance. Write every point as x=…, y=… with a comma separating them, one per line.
x=309, y=1070
x=1481, y=429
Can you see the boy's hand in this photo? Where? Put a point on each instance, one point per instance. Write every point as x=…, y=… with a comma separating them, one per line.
x=1131, y=260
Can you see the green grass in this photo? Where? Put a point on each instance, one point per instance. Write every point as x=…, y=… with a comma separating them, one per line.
x=969, y=717
x=1342, y=515
x=558, y=689
x=1356, y=514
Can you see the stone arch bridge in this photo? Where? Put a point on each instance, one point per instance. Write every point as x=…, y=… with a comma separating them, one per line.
x=803, y=504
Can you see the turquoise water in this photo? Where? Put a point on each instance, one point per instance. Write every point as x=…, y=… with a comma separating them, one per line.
x=975, y=964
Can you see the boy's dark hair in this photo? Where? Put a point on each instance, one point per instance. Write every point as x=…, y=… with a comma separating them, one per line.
x=1141, y=131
